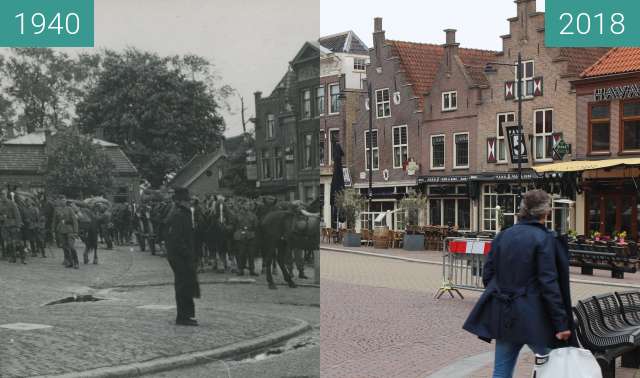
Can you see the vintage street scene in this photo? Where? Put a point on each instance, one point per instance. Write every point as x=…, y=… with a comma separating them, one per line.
x=136, y=236
x=438, y=143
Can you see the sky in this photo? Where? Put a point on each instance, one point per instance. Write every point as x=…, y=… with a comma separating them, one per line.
x=249, y=41
x=480, y=23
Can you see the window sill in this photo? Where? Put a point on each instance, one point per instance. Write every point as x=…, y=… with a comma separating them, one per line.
x=599, y=153
x=386, y=117
x=545, y=160
x=332, y=114
x=461, y=168
x=629, y=152
x=437, y=169
x=449, y=110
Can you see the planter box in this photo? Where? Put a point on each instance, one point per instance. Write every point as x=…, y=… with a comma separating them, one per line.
x=413, y=242
x=351, y=240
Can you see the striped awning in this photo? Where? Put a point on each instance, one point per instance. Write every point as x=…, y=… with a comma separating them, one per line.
x=585, y=165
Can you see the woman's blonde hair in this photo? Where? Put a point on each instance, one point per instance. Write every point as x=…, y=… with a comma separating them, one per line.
x=535, y=204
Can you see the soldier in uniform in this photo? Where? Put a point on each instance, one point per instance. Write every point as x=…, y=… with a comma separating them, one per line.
x=31, y=224
x=65, y=225
x=180, y=253
x=244, y=238
x=11, y=223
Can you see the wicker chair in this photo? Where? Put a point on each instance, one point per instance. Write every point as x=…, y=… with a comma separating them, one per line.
x=366, y=237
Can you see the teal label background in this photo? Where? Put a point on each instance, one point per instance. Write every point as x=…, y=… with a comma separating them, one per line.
x=10, y=25
x=553, y=25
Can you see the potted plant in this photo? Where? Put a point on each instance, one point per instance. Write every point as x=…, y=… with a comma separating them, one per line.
x=349, y=203
x=412, y=204
x=595, y=235
x=621, y=236
x=572, y=234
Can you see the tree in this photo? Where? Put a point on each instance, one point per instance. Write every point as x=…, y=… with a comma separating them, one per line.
x=44, y=84
x=77, y=167
x=160, y=110
x=235, y=173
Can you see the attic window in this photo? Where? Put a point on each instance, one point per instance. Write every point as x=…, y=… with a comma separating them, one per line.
x=359, y=64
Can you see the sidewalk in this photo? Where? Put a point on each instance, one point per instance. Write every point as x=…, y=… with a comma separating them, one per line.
x=135, y=321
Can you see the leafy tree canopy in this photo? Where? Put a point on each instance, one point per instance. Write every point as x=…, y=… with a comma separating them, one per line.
x=161, y=110
x=78, y=167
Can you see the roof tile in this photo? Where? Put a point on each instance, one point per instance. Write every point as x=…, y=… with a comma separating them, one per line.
x=616, y=61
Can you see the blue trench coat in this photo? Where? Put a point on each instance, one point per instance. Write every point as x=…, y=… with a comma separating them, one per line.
x=526, y=298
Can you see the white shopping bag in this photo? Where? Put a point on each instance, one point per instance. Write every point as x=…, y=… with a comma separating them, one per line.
x=567, y=363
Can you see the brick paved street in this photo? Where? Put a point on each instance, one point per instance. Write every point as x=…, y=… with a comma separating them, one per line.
x=379, y=319
x=116, y=331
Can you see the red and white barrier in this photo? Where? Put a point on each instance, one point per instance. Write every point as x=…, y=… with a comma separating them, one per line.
x=470, y=246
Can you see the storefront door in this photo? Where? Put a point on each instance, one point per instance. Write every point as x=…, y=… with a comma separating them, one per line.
x=609, y=213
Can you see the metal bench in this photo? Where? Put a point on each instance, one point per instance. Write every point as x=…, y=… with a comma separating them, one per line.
x=601, y=329
x=630, y=302
x=601, y=256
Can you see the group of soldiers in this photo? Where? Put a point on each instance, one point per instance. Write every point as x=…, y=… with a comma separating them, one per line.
x=21, y=227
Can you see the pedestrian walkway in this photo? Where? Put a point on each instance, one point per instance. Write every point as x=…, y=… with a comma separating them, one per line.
x=134, y=321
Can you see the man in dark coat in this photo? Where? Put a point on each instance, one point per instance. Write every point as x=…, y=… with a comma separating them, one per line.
x=524, y=302
x=65, y=227
x=181, y=256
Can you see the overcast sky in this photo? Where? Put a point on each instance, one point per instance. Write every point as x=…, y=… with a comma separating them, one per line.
x=250, y=41
x=480, y=23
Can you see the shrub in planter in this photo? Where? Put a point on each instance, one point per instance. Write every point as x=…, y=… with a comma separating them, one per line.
x=412, y=204
x=349, y=203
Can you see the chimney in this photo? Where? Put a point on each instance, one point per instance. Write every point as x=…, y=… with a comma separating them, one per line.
x=378, y=40
x=258, y=96
x=450, y=47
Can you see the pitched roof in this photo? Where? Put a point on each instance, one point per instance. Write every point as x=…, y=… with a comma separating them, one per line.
x=579, y=58
x=422, y=60
x=195, y=168
x=27, y=154
x=616, y=61
x=345, y=42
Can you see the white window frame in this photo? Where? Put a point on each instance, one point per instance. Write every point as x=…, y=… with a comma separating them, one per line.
x=501, y=140
x=449, y=94
x=457, y=208
x=356, y=65
x=525, y=79
x=376, y=167
x=271, y=126
x=455, y=151
x=333, y=111
x=324, y=100
x=544, y=135
x=330, y=143
x=399, y=145
x=307, y=114
x=444, y=146
x=383, y=103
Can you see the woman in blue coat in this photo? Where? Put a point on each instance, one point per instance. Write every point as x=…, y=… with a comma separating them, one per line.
x=526, y=299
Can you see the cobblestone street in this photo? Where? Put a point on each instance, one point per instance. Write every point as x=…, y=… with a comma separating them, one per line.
x=380, y=320
x=135, y=321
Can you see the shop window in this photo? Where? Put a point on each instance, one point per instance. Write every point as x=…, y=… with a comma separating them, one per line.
x=450, y=212
x=437, y=152
x=543, y=134
x=400, y=146
x=500, y=132
x=599, y=127
x=631, y=125
x=383, y=103
x=371, y=146
x=435, y=212
x=320, y=101
x=334, y=92
x=461, y=150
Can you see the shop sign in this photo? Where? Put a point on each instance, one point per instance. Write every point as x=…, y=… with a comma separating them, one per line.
x=620, y=92
x=561, y=148
x=412, y=168
x=513, y=176
x=347, y=177
x=517, y=145
x=442, y=179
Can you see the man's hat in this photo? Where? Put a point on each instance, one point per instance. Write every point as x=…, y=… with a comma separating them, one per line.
x=181, y=194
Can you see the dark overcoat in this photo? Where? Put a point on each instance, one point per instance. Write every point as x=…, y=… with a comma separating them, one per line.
x=523, y=302
x=180, y=252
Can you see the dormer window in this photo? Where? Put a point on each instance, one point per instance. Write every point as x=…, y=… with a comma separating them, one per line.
x=449, y=101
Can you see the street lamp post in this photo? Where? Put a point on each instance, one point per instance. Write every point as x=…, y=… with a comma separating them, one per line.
x=370, y=140
x=518, y=66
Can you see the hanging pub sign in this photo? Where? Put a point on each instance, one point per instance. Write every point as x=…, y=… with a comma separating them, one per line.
x=560, y=147
x=620, y=92
x=517, y=145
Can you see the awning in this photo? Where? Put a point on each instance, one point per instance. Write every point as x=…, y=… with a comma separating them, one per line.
x=585, y=165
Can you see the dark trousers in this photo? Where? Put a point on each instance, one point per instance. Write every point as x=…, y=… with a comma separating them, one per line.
x=183, y=288
x=70, y=254
x=246, y=258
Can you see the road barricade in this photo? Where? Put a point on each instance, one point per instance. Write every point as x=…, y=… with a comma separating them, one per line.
x=462, y=263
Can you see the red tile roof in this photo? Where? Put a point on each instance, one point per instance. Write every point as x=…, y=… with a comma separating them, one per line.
x=579, y=58
x=422, y=60
x=617, y=60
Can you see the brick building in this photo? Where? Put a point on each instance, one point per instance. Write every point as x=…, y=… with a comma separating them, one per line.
x=548, y=112
x=343, y=61
x=23, y=162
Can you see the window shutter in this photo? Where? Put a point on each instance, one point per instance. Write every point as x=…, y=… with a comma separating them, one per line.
x=491, y=150
x=509, y=88
x=537, y=86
